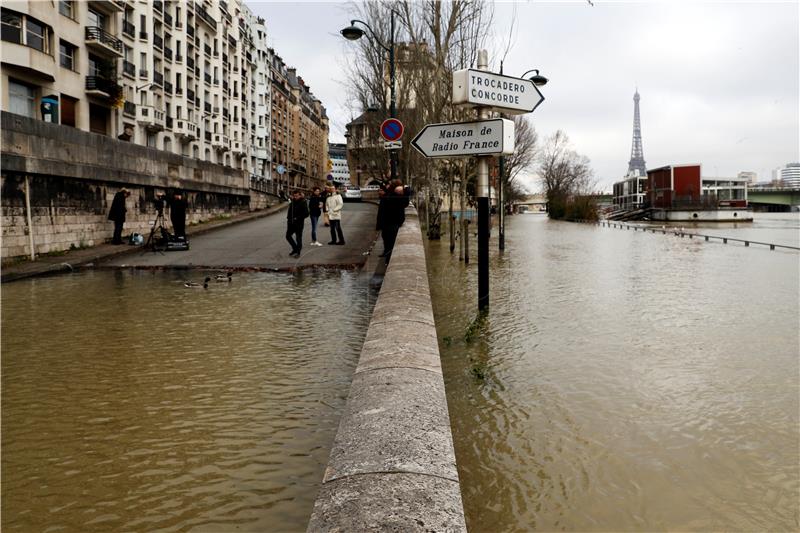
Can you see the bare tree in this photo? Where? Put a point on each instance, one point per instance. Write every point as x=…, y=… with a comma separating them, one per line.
x=526, y=145
x=564, y=173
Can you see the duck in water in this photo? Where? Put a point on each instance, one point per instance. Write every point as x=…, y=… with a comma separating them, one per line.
x=223, y=277
x=195, y=285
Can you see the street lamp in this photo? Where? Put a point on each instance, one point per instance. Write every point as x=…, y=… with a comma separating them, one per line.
x=537, y=79
x=353, y=33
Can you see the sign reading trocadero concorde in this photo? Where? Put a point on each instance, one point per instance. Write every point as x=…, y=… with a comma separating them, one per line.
x=457, y=139
x=509, y=95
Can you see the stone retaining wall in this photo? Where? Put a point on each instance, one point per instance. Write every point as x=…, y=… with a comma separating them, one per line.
x=74, y=175
x=392, y=466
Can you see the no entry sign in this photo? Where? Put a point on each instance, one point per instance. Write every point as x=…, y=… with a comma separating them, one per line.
x=392, y=129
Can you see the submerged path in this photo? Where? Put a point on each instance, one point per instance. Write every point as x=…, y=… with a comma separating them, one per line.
x=261, y=245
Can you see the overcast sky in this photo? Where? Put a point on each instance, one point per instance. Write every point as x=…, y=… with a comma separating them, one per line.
x=719, y=81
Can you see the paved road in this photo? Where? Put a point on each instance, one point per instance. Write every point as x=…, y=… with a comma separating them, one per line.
x=261, y=245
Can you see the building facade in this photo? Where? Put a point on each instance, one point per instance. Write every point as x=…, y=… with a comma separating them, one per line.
x=790, y=175
x=338, y=167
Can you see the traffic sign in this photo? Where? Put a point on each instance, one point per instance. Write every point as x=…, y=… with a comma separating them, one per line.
x=392, y=145
x=481, y=137
x=281, y=169
x=502, y=93
x=392, y=129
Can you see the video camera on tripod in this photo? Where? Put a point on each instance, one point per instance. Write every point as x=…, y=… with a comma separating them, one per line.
x=160, y=238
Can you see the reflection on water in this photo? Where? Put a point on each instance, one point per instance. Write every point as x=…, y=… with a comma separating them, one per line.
x=131, y=403
x=624, y=381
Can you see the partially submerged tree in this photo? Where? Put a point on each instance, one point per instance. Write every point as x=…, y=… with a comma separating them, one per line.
x=564, y=173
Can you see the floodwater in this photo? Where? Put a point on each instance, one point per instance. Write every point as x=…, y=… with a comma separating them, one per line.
x=132, y=403
x=625, y=381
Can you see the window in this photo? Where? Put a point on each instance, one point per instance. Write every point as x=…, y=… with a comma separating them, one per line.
x=151, y=140
x=97, y=19
x=67, y=8
x=35, y=35
x=66, y=53
x=21, y=99
x=12, y=27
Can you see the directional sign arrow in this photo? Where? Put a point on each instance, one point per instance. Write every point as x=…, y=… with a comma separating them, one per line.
x=502, y=93
x=458, y=139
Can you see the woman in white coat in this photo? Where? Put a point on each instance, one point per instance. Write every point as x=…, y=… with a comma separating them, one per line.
x=333, y=206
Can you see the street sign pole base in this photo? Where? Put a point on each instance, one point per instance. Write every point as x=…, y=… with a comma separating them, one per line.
x=483, y=254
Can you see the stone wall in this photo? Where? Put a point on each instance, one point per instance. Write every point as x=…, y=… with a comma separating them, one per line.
x=74, y=175
x=392, y=466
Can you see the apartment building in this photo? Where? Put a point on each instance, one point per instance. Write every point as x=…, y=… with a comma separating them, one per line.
x=188, y=77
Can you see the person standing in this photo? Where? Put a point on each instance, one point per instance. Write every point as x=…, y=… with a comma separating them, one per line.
x=295, y=219
x=333, y=206
x=397, y=198
x=117, y=214
x=315, y=203
x=177, y=213
x=381, y=217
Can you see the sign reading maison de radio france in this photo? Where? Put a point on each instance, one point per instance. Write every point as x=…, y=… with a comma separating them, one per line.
x=482, y=137
x=503, y=93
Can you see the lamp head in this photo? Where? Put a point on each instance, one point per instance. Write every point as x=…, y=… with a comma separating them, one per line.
x=538, y=79
x=352, y=32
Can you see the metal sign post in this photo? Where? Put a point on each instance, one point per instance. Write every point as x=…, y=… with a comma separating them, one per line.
x=483, y=206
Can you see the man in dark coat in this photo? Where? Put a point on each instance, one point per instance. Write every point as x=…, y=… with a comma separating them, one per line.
x=394, y=214
x=177, y=213
x=117, y=214
x=295, y=217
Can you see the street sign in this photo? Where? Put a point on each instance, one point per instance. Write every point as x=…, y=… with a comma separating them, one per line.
x=392, y=145
x=329, y=177
x=281, y=169
x=392, y=129
x=481, y=137
x=502, y=93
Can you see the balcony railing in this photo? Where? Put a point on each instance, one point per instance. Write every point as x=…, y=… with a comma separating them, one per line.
x=190, y=62
x=129, y=108
x=190, y=30
x=158, y=78
x=95, y=34
x=224, y=5
x=158, y=41
x=208, y=136
x=190, y=95
x=178, y=58
x=207, y=107
x=203, y=14
x=143, y=35
x=179, y=90
x=158, y=5
x=168, y=53
x=143, y=73
x=168, y=19
x=207, y=77
x=216, y=82
x=128, y=28
x=168, y=87
x=129, y=69
x=109, y=87
x=207, y=49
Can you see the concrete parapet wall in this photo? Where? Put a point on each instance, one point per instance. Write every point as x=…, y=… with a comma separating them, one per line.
x=392, y=466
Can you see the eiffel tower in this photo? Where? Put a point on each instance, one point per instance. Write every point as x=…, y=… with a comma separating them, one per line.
x=636, y=165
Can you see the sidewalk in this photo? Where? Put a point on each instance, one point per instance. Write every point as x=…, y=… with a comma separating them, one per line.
x=73, y=259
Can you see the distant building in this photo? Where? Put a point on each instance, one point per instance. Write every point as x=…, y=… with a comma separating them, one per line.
x=790, y=175
x=630, y=193
x=337, y=167
x=750, y=176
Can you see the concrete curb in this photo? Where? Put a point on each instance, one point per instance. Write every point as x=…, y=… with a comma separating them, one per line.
x=392, y=466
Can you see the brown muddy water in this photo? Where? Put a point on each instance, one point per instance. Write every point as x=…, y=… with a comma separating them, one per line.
x=131, y=403
x=625, y=381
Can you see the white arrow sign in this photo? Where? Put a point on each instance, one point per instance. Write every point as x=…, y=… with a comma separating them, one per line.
x=503, y=93
x=482, y=137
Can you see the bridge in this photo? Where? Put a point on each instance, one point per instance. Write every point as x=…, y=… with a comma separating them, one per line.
x=774, y=198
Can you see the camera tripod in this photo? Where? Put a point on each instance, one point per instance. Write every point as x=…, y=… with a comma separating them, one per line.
x=159, y=225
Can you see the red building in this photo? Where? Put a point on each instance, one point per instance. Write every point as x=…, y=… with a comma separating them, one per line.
x=674, y=186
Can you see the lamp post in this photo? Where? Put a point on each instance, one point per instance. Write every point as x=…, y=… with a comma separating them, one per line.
x=353, y=33
x=537, y=80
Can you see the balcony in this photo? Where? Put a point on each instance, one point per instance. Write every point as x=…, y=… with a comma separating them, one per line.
x=158, y=78
x=186, y=130
x=143, y=74
x=261, y=153
x=232, y=41
x=237, y=147
x=168, y=53
x=113, y=7
x=168, y=19
x=179, y=90
x=129, y=29
x=203, y=15
x=207, y=78
x=158, y=41
x=102, y=87
x=150, y=117
x=221, y=142
x=207, y=49
x=129, y=69
x=216, y=82
x=190, y=30
x=168, y=87
x=223, y=5
x=226, y=114
x=142, y=35
x=207, y=107
x=215, y=110
x=190, y=95
x=158, y=6
x=207, y=136
x=190, y=63
x=103, y=42
x=178, y=58
x=129, y=108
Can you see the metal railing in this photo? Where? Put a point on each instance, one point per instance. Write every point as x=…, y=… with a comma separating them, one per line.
x=129, y=108
x=168, y=87
x=93, y=33
x=128, y=28
x=168, y=53
x=158, y=78
x=100, y=83
x=203, y=14
x=158, y=5
x=129, y=68
x=158, y=41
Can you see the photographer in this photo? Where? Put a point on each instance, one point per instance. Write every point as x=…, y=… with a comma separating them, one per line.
x=177, y=211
